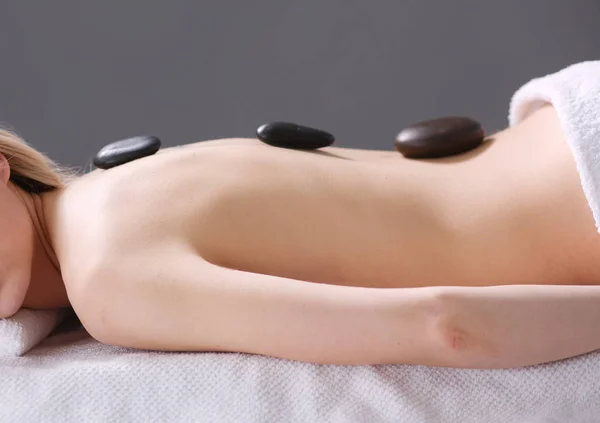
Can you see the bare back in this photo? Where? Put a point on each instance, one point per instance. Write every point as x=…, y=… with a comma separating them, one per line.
x=510, y=212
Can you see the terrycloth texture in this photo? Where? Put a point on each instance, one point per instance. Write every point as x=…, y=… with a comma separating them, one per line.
x=575, y=94
x=26, y=329
x=79, y=380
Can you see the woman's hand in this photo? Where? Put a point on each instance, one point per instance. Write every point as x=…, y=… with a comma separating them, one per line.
x=519, y=325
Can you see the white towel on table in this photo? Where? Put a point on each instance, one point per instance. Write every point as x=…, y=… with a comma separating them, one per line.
x=72, y=381
x=574, y=93
x=26, y=329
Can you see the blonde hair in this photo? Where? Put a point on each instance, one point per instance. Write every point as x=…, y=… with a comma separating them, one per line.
x=30, y=170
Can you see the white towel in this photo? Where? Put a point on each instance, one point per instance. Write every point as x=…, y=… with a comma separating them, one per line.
x=575, y=94
x=26, y=329
x=68, y=379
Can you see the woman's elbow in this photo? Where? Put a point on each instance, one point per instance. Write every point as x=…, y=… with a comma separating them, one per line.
x=462, y=350
x=458, y=346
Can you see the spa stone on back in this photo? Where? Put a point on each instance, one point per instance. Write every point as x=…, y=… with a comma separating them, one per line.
x=127, y=150
x=439, y=138
x=290, y=135
x=428, y=139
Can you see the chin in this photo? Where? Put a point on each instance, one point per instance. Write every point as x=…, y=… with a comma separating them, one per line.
x=12, y=296
x=9, y=308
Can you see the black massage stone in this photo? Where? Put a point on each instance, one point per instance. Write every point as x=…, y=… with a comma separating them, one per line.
x=439, y=138
x=290, y=135
x=121, y=152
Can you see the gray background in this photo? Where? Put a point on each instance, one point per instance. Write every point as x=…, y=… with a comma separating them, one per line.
x=77, y=74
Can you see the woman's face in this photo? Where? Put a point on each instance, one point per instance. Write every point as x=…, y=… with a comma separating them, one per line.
x=16, y=245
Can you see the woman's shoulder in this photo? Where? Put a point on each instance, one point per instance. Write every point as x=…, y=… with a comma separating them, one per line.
x=153, y=202
x=113, y=216
x=81, y=226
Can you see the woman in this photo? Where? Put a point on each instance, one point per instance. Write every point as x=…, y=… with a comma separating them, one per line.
x=337, y=256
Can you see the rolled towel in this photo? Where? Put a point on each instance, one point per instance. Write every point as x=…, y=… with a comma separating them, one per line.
x=574, y=92
x=26, y=329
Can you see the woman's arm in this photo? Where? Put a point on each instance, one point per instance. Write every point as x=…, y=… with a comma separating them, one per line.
x=521, y=325
x=191, y=305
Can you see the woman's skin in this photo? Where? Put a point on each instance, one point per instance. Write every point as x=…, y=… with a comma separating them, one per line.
x=232, y=245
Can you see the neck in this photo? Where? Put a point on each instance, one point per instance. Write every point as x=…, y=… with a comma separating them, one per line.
x=46, y=288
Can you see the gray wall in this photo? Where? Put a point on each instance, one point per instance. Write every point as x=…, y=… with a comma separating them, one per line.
x=77, y=74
